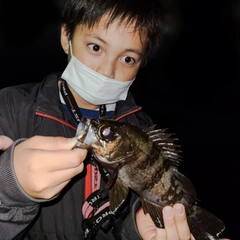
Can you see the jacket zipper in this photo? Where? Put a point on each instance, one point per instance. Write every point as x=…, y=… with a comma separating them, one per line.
x=71, y=126
x=129, y=113
x=55, y=119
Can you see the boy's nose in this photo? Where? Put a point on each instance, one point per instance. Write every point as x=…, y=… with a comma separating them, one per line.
x=106, y=68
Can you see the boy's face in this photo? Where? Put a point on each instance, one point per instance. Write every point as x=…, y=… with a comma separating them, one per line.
x=115, y=52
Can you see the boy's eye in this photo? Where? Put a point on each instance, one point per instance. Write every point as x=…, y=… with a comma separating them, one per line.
x=94, y=47
x=128, y=60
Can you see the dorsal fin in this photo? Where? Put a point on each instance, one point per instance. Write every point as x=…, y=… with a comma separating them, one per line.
x=165, y=143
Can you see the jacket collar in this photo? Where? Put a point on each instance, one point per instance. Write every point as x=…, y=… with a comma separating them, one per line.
x=48, y=100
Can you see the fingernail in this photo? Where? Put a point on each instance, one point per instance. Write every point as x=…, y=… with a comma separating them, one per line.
x=72, y=141
x=168, y=212
x=178, y=209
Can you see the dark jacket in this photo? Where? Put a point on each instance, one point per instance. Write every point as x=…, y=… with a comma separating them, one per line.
x=35, y=109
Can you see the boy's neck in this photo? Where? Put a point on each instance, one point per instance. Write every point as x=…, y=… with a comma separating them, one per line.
x=81, y=102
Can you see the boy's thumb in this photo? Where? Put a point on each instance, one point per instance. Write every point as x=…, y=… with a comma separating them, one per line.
x=72, y=142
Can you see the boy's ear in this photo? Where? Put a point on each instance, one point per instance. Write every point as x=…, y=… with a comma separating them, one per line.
x=64, y=39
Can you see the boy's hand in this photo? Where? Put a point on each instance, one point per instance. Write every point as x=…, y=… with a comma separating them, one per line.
x=45, y=165
x=5, y=142
x=175, y=222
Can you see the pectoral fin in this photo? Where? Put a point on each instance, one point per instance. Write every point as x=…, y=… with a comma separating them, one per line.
x=154, y=210
x=118, y=194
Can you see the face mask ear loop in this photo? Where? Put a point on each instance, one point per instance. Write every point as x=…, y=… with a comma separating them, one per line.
x=70, y=50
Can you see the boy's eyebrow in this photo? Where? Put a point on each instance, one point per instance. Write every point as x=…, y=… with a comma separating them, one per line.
x=134, y=50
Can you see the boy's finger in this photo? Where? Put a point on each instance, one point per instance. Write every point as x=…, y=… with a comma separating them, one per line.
x=50, y=143
x=181, y=221
x=5, y=142
x=169, y=222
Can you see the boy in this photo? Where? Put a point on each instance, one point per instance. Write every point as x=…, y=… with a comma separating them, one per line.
x=44, y=182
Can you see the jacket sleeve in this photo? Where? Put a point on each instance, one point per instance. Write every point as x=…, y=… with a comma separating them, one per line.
x=17, y=209
x=129, y=228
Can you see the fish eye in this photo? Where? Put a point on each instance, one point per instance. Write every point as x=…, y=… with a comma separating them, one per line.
x=106, y=133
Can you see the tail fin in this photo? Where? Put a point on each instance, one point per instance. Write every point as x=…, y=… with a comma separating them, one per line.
x=204, y=225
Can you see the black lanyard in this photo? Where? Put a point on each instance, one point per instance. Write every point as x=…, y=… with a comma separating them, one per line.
x=105, y=218
x=72, y=105
x=70, y=102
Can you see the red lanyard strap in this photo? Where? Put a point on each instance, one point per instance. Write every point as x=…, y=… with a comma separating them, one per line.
x=96, y=208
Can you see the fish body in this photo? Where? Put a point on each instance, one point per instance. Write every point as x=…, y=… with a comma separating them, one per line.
x=145, y=161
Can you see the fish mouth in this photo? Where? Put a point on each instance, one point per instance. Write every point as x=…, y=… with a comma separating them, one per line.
x=81, y=133
x=107, y=159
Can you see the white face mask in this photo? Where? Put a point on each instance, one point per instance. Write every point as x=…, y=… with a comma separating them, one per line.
x=92, y=86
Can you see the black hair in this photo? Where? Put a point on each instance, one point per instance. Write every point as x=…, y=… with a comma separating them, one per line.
x=145, y=14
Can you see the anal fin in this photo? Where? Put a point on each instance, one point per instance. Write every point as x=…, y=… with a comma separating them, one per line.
x=155, y=212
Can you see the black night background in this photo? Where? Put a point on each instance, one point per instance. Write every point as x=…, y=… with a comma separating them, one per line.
x=192, y=88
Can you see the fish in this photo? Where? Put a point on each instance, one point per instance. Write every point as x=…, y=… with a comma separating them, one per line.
x=147, y=162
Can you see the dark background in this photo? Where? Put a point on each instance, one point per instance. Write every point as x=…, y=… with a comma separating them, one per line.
x=192, y=88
